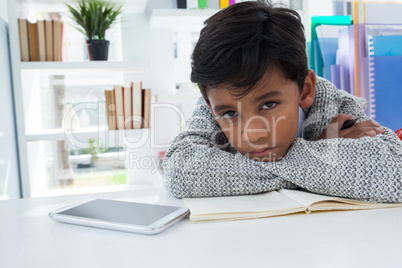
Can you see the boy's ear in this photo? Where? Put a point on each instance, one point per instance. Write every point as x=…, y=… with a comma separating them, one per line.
x=308, y=93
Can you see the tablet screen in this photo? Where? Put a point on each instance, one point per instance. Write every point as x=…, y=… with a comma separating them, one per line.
x=120, y=211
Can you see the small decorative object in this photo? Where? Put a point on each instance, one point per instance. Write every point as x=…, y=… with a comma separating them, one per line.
x=94, y=17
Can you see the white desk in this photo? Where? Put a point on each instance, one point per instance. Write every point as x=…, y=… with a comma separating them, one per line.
x=28, y=238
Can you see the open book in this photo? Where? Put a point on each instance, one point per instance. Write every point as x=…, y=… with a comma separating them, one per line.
x=270, y=204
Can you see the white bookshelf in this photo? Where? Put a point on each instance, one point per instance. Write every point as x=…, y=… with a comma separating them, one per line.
x=147, y=56
x=108, y=138
x=25, y=74
x=86, y=66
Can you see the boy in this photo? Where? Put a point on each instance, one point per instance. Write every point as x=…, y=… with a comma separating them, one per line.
x=266, y=122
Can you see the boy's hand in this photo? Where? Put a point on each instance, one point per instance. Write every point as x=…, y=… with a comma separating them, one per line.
x=358, y=130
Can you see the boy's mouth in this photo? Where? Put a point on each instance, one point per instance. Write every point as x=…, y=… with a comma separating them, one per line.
x=262, y=152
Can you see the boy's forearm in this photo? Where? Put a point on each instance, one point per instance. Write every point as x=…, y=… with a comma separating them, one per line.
x=202, y=172
x=368, y=169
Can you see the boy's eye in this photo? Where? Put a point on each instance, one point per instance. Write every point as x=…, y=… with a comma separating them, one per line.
x=268, y=105
x=228, y=115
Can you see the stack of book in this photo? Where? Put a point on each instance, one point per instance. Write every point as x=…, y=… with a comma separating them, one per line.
x=201, y=4
x=128, y=107
x=41, y=40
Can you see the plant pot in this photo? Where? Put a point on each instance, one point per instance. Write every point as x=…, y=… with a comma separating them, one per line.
x=98, y=49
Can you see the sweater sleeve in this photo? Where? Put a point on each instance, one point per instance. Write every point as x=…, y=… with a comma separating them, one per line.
x=200, y=162
x=367, y=169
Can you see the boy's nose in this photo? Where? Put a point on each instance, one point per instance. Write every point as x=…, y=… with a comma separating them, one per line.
x=255, y=128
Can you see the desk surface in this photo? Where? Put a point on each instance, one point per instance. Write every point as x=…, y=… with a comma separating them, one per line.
x=28, y=238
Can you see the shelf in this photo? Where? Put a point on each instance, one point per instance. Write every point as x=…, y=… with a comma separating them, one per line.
x=180, y=19
x=54, y=67
x=79, y=138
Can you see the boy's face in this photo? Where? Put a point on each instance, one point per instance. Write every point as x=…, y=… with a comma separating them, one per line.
x=263, y=124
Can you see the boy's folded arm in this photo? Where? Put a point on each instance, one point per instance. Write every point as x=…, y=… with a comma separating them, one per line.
x=367, y=169
x=200, y=162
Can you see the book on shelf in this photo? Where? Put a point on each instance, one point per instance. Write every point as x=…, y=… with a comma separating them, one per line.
x=146, y=107
x=128, y=121
x=181, y=4
x=41, y=40
x=33, y=41
x=128, y=107
x=274, y=203
x=223, y=3
x=202, y=4
x=110, y=109
x=118, y=96
x=24, y=40
x=137, y=104
x=49, y=40
x=58, y=40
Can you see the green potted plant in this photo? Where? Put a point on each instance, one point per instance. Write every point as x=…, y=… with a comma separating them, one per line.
x=94, y=17
x=94, y=150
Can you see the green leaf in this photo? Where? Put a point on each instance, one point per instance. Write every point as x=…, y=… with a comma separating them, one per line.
x=94, y=17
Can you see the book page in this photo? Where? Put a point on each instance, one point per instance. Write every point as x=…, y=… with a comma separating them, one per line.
x=270, y=201
x=306, y=199
x=316, y=202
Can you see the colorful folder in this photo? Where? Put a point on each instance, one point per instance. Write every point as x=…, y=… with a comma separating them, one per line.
x=386, y=85
x=317, y=64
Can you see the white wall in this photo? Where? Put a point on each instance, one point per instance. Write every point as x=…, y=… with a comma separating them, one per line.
x=153, y=47
x=321, y=7
x=135, y=37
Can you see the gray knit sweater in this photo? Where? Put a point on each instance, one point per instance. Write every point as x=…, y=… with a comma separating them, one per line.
x=201, y=162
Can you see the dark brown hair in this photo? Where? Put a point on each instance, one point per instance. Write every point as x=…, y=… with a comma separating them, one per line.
x=240, y=43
